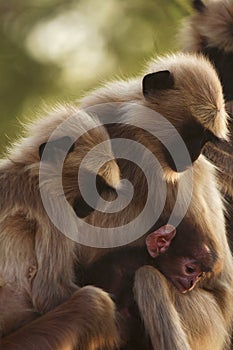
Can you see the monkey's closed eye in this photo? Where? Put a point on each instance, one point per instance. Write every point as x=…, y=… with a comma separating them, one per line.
x=190, y=269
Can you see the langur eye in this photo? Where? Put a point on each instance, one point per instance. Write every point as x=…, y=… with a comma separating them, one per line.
x=190, y=269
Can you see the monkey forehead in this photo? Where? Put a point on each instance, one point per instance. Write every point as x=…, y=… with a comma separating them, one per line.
x=206, y=257
x=198, y=87
x=70, y=121
x=59, y=122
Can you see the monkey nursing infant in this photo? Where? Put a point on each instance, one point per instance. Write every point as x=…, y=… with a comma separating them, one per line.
x=183, y=88
x=183, y=257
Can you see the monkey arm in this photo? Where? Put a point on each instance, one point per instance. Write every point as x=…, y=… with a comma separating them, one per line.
x=157, y=311
x=53, y=282
x=87, y=321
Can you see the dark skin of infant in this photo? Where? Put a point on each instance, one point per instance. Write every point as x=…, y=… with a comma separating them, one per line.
x=182, y=256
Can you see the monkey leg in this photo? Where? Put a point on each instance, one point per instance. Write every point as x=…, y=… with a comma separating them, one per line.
x=160, y=317
x=87, y=321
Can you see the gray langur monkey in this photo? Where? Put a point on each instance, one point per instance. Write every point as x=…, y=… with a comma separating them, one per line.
x=37, y=260
x=185, y=89
x=209, y=31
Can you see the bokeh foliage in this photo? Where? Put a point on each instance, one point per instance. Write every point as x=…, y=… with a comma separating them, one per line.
x=54, y=50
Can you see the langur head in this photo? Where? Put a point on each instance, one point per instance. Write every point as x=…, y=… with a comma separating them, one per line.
x=183, y=255
x=70, y=149
x=210, y=31
x=211, y=26
x=87, y=138
x=185, y=89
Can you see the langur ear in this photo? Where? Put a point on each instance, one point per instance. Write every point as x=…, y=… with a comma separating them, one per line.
x=198, y=5
x=157, y=81
x=159, y=241
x=54, y=147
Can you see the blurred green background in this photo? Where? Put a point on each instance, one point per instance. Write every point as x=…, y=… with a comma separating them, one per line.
x=55, y=50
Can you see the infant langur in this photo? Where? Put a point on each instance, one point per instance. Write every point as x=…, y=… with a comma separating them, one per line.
x=183, y=257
